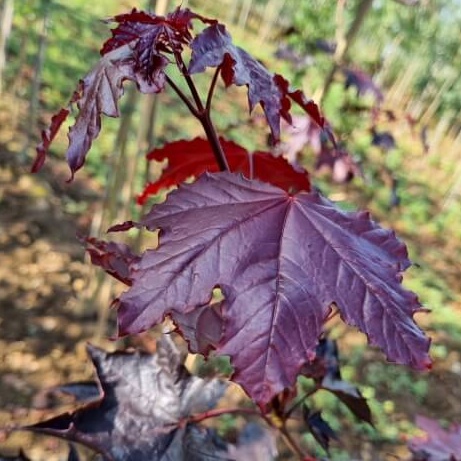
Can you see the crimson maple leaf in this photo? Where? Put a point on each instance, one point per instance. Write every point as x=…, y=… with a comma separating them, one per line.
x=187, y=158
x=280, y=261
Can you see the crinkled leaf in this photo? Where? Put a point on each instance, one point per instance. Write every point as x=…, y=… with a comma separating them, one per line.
x=143, y=398
x=187, y=158
x=363, y=83
x=213, y=47
x=149, y=36
x=280, y=261
x=97, y=95
x=438, y=444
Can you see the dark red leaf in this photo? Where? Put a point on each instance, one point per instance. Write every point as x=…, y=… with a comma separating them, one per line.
x=48, y=136
x=192, y=158
x=438, y=444
x=213, y=48
x=350, y=396
x=280, y=261
x=149, y=36
x=144, y=31
x=143, y=398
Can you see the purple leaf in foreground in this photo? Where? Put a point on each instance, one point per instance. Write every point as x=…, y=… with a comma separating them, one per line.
x=143, y=398
x=280, y=261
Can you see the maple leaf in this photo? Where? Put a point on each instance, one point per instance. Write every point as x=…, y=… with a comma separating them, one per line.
x=187, y=158
x=98, y=94
x=280, y=261
x=142, y=400
x=438, y=444
x=213, y=47
x=149, y=36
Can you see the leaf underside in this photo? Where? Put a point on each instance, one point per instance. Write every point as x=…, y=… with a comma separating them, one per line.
x=280, y=261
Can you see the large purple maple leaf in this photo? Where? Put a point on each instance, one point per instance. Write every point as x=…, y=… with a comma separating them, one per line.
x=280, y=261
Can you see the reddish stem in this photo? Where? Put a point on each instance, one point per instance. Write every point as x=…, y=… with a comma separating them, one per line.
x=226, y=411
x=211, y=89
x=300, y=401
x=203, y=113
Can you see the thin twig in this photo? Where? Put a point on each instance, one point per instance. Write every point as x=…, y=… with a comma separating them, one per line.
x=183, y=97
x=291, y=443
x=300, y=401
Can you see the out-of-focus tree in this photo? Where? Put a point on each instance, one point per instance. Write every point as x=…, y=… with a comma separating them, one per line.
x=6, y=20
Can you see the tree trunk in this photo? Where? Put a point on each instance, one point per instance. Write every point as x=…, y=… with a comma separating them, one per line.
x=6, y=20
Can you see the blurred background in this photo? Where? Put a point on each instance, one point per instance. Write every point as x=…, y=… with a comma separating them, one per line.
x=387, y=76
